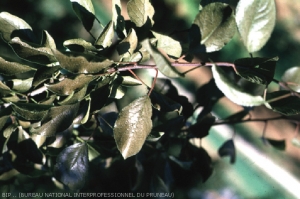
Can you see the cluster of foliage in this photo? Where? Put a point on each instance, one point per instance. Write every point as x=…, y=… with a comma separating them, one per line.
x=56, y=99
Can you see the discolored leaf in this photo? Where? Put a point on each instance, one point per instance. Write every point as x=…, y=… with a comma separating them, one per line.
x=257, y=70
x=233, y=91
x=79, y=45
x=168, y=45
x=256, y=26
x=118, y=19
x=213, y=27
x=285, y=104
x=163, y=65
x=69, y=85
x=48, y=41
x=30, y=111
x=228, y=149
x=292, y=76
x=106, y=36
x=72, y=166
x=82, y=63
x=85, y=11
x=132, y=126
x=12, y=68
x=140, y=11
x=44, y=73
x=128, y=44
x=12, y=26
x=32, y=52
x=58, y=119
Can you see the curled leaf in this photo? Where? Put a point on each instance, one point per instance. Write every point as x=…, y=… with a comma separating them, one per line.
x=233, y=91
x=168, y=45
x=30, y=111
x=292, y=75
x=79, y=45
x=228, y=149
x=12, y=68
x=106, y=37
x=132, y=126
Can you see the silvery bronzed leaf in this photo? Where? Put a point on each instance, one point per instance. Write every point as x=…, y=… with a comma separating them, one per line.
x=72, y=166
x=12, y=68
x=133, y=126
x=292, y=75
x=79, y=45
x=255, y=21
x=233, y=91
x=140, y=11
x=215, y=25
x=168, y=45
x=10, y=24
x=106, y=37
x=85, y=11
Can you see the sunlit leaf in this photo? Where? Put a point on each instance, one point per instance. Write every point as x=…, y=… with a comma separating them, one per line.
x=72, y=166
x=296, y=142
x=233, y=91
x=69, y=85
x=32, y=52
x=85, y=11
x=118, y=19
x=12, y=68
x=168, y=45
x=57, y=119
x=140, y=11
x=163, y=65
x=79, y=45
x=20, y=85
x=257, y=70
x=82, y=63
x=133, y=126
x=228, y=149
x=30, y=111
x=292, y=77
x=213, y=27
x=255, y=21
x=130, y=81
x=12, y=26
x=288, y=105
x=106, y=36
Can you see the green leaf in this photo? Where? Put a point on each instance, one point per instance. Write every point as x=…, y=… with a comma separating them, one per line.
x=106, y=36
x=4, y=89
x=168, y=45
x=132, y=126
x=228, y=149
x=12, y=68
x=288, y=105
x=69, y=85
x=163, y=65
x=257, y=70
x=79, y=45
x=32, y=52
x=30, y=111
x=140, y=11
x=11, y=26
x=20, y=85
x=233, y=91
x=128, y=44
x=255, y=21
x=85, y=11
x=130, y=81
x=292, y=76
x=118, y=19
x=72, y=166
x=82, y=63
x=215, y=25
x=58, y=119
